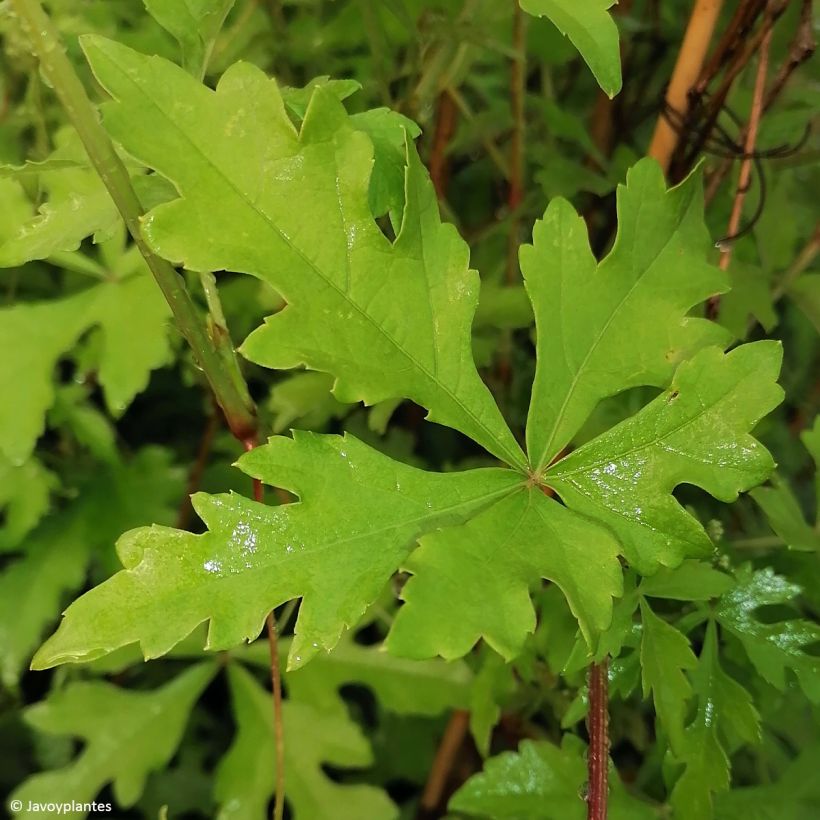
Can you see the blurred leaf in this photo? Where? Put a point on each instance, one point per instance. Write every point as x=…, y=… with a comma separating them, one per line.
x=772, y=647
x=246, y=776
x=127, y=735
x=592, y=31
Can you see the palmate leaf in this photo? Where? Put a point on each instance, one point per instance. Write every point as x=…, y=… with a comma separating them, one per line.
x=246, y=776
x=293, y=209
x=390, y=320
x=359, y=516
x=695, y=433
x=623, y=323
x=592, y=31
x=132, y=317
x=128, y=734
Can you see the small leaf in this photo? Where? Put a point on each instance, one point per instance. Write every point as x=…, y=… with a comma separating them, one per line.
x=246, y=776
x=25, y=497
x=724, y=710
x=195, y=24
x=592, y=31
x=130, y=314
x=695, y=433
x=786, y=518
x=76, y=205
x=665, y=655
x=127, y=735
x=772, y=647
x=540, y=780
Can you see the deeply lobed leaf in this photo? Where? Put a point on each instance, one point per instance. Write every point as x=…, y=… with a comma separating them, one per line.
x=293, y=208
x=695, y=433
x=622, y=323
x=359, y=516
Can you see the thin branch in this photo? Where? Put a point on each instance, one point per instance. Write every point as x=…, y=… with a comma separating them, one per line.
x=276, y=681
x=444, y=760
x=515, y=196
x=446, y=121
x=215, y=355
x=717, y=101
x=197, y=470
x=684, y=76
x=598, y=753
x=745, y=176
x=806, y=256
x=801, y=49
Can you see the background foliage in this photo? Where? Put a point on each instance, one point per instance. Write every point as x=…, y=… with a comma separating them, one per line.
x=106, y=425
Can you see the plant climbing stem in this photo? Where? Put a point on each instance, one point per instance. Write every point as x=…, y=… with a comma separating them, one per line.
x=745, y=176
x=598, y=754
x=684, y=76
x=213, y=351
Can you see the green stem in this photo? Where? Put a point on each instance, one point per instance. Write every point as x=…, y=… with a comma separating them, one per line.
x=214, y=352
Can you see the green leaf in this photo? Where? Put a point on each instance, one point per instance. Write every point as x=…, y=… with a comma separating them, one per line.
x=786, y=518
x=772, y=647
x=805, y=293
x=293, y=209
x=401, y=686
x=592, y=31
x=32, y=588
x=695, y=433
x=540, y=782
x=725, y=710
x=794, y=796
x=195, y=24
x=127, y=735
x=76, y=205
x=473, y=580
x=811, y=441
x=25, y=497
x=623, y=323
x=359, y=516
x=246, y=777
x=131, y=316
x=304, y=398
x=691, y=581
x=665, y=655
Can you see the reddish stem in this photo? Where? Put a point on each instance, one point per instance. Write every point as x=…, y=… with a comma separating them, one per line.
x=598, y=754
x=198, y=469
x=444, y=760
x=275, y=677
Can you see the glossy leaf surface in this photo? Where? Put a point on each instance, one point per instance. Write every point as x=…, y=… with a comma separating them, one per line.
x=293, y=209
